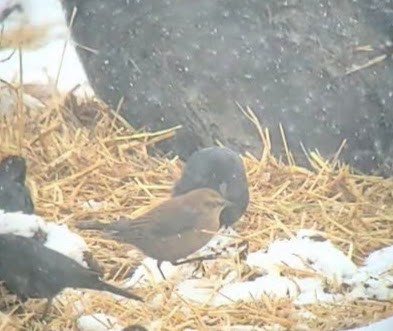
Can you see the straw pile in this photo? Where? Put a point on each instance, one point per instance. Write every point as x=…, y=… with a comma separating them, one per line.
x=81, y=153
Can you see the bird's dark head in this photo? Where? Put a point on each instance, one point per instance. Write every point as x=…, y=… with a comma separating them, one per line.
x=13, y=167
x=221, y=170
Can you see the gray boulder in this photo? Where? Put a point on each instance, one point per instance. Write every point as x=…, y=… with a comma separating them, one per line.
x=189, y=62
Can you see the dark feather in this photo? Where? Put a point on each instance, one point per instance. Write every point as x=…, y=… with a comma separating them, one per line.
x=31, y=270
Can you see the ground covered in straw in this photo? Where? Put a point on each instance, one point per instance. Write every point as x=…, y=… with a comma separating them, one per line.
x=79, y=154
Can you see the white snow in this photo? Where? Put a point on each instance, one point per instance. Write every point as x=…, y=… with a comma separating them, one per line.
x=333, y=276
x=336, y=278
x=45, y=70
x=383, y=325
x=41, y=64
x=379, y=261
x=304, y=253
x=147, y=271
x=21, y=224
x=61, y=239
x=254, y=290
x=239, y=327
x=98, y=322
x=37, y=12
x=370, y=286
x=311, y=291
x=58, y=237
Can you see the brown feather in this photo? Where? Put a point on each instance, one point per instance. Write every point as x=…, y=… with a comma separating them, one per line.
x=174, y=229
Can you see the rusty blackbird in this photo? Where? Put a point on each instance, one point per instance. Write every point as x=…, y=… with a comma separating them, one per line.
x=171, y=231
x=222, y=170
x=14, y=194
x=31, y=270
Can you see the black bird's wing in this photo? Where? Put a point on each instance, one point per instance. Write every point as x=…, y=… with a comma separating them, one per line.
x=47, y=271
x=15, y=271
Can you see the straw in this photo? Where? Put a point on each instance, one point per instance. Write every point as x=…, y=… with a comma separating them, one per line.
x=101, y=158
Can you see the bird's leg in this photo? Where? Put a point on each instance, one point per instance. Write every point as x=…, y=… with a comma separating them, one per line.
x=159, y=268
x=47, y=306
x=200, y=266
x=198, y=258
x=244, y=252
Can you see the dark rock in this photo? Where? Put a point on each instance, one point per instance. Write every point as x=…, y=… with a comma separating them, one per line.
x=188, y=62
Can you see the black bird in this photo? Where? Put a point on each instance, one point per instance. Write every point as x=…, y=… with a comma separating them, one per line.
x=222, y=170
x=31, y=270
x=14, y=194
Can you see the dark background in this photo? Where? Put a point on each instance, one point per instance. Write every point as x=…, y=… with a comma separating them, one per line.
x=187, y=62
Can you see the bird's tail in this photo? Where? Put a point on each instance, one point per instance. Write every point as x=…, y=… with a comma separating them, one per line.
x=102, y=286
x=90, y=225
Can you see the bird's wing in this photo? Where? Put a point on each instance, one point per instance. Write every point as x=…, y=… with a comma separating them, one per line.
x=14, y=270
x=162, y=221
x=166, y=220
